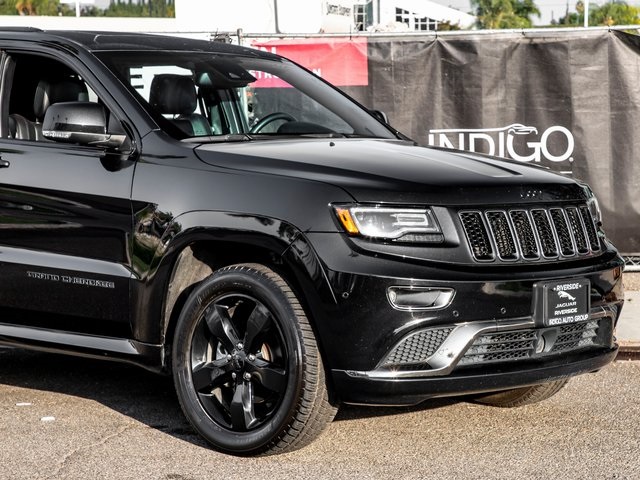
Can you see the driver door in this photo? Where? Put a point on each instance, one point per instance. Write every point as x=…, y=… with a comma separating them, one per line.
x=65, y=211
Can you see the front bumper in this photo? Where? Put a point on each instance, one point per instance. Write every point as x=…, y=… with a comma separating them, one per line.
x=378, y=354
x=481, y=356
x=410, y=391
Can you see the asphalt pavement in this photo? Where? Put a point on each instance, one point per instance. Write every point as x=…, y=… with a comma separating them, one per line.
x=72, y=418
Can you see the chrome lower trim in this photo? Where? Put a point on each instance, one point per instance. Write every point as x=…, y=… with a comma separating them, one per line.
x=145, y=355
x=444, y=361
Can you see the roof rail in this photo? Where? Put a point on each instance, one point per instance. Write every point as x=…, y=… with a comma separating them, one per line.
x=20, y=29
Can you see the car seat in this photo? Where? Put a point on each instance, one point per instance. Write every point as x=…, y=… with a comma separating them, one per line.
x=176, y=95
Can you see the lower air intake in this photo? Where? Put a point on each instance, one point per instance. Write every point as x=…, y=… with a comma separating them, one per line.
x=418, y=347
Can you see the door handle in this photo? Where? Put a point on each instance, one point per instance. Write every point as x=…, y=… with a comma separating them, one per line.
x=4, y=163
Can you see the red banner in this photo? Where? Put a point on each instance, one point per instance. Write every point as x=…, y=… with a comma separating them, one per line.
x=340, y=61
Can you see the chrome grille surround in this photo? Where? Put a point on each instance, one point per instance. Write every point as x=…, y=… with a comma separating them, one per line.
x=535, y=234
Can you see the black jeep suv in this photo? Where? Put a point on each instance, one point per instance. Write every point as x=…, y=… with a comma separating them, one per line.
x=221, y=214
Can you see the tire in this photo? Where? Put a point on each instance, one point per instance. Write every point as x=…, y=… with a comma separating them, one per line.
x=246, y=365
x=519, y=397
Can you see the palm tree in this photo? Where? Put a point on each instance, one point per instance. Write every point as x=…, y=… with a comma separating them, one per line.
x=526, y=9
x=493, y=14
x=25, y=7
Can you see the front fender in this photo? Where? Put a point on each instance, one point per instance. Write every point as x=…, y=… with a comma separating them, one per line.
x=202, y=241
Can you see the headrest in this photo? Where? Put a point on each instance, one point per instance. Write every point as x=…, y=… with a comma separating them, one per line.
x=173, y=94
x=65, y=90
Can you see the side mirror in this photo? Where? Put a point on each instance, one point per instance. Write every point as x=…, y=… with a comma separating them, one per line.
x=84, y=123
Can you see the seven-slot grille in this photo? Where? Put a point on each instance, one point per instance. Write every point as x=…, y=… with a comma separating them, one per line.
x=530, y=234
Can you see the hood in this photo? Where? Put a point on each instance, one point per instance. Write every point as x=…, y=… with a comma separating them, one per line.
x=395, y=171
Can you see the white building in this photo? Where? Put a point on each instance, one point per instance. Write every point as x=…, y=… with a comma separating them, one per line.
x=316, y=16
x=407, y=15
x=199, y=18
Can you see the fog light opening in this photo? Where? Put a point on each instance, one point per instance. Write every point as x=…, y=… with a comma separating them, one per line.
x=419, y=298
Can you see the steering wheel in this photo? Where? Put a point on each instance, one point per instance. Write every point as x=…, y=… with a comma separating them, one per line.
x=267, y=119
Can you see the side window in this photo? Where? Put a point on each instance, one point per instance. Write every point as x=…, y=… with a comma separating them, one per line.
x=40, y=82
x=171, y=91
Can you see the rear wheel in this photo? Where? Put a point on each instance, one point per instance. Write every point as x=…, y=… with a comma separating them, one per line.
x=519, y=397
x=246, y=364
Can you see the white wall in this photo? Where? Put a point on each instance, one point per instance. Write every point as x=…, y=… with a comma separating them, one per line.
x=225, y=15
x=259, y=16
x=156, y=25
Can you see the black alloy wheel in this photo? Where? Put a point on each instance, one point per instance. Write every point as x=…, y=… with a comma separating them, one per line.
x=238, y=362
x=246, y=365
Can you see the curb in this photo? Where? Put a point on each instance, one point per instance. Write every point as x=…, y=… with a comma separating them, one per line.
x=629, y=350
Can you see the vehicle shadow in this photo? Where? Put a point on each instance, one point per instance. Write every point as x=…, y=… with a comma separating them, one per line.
x=143, y=396
x=356, y=412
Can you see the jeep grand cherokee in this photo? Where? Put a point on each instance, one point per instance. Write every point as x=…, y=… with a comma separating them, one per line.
x=221, y=214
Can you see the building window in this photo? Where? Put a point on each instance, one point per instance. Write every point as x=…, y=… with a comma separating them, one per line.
x=403, y=16
x=360, y=17
x=425, y=23
x=363, y=14
x=414, y=22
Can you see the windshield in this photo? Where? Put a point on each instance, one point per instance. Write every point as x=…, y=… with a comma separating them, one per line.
x=222, y=96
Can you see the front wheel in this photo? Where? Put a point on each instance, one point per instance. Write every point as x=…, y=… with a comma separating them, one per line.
x=246, y=365
x=518, y=397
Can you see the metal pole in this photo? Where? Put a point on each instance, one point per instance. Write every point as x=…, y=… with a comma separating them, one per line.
x=586, y=13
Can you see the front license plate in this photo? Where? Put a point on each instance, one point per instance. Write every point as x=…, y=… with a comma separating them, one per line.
x=566, y=301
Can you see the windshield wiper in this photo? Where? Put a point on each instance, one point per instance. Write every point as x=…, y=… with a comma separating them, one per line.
x=322, y=135
x=246, y=137
x=228, y=137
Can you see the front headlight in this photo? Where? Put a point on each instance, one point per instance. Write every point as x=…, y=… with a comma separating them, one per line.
x=383, y=223
x=593, y=205
x=594, y=208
